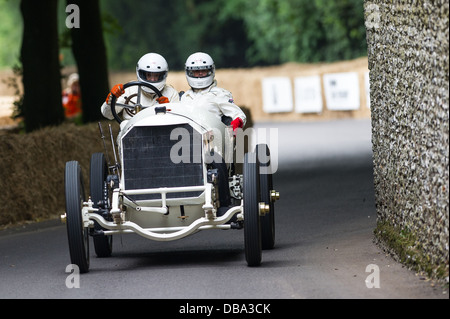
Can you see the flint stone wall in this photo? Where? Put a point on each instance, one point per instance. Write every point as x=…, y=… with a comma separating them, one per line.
x=408, y=43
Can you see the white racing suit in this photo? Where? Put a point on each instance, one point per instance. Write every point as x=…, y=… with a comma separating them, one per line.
x=219, y=101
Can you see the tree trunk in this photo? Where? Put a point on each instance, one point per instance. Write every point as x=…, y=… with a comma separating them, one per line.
x=42, y=105
x=90, y=54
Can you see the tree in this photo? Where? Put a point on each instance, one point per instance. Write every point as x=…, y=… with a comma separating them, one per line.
x=301, y=30
x=39, y=55
x=174, y=29
x=208, y=27
x=89, y=50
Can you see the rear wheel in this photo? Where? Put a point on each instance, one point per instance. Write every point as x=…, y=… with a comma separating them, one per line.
x=266, y=185
x=252, y=225
x=98, y=174
x=77, y=234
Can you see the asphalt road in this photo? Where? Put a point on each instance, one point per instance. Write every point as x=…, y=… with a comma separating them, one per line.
x=324, y=240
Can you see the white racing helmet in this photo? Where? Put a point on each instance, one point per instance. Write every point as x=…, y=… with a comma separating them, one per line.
x=200, y=61
x=152, y=63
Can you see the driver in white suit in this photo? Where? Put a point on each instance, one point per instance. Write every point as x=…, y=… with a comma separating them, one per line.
x=151, y=68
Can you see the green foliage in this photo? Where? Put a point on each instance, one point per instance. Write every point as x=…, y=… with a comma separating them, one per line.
x=403, y=243
x=174, y=29
x=302, y=30
x=10, y=32
x=237, y=33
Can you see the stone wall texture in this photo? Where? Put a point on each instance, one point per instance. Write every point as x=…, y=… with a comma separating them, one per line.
x=408, y=44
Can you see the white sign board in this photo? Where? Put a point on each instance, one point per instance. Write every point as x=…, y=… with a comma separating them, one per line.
x=308, y=94
x=341, y=91
x=277, y=94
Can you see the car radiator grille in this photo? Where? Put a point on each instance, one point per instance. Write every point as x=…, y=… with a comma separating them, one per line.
x=147, y=162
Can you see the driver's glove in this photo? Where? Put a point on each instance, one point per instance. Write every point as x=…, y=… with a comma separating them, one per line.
x=237, y=123
x=162, y=100
x=117, y=91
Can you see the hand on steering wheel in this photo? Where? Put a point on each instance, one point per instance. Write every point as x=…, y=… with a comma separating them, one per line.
x=117, y=91
x=113, y=97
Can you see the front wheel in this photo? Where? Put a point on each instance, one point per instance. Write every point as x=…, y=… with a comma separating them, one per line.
x=77, y=234
x=252, y=223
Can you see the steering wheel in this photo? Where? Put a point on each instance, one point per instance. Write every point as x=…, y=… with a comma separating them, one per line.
x=137, y=105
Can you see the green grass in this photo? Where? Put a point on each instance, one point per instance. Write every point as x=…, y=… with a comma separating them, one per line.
x=407, y=248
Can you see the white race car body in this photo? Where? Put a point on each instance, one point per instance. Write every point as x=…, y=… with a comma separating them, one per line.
x=174, y=175
x=164, y=180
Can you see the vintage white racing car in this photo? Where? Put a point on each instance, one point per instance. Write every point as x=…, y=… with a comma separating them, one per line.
x=175, y=172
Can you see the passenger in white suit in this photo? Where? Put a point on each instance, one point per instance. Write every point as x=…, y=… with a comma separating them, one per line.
x=200, y=73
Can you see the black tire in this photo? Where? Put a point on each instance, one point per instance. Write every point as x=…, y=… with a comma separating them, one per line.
x=252, y=225
x=77, y=234
x=266, y=185
x=98, y=174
